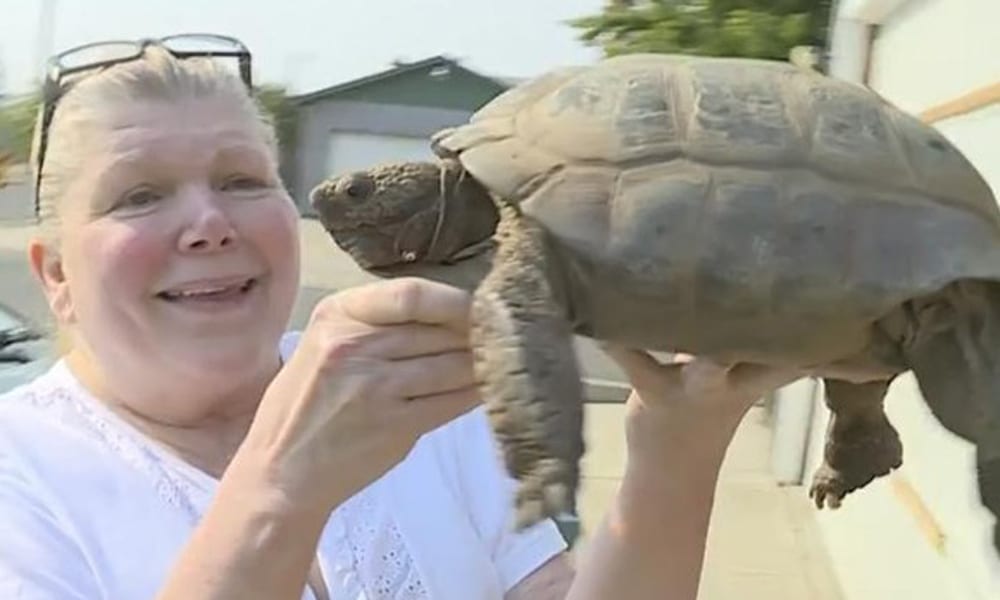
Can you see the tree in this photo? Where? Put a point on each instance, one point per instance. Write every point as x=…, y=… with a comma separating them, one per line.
x=284, y=116
x=17, y=123
x=748, y=28
x=279, y=107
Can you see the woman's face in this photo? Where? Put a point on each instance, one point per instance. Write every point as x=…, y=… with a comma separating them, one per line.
x=179, y=248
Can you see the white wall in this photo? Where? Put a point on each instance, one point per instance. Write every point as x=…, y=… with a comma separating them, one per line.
x=877, y=545
x=928, y=52
x=977, y=135
x=932, y=51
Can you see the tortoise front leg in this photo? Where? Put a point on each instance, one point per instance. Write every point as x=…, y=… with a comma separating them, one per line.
x=861, y=444
x=954, y=352
x=530, y=381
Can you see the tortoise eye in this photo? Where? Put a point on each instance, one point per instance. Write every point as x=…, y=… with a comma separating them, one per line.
x=357, y=187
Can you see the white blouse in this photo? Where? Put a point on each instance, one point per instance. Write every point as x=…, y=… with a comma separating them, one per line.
x=92, y=509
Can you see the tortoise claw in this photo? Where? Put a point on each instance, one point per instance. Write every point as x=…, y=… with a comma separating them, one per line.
x=855, y=460
x=543, y=492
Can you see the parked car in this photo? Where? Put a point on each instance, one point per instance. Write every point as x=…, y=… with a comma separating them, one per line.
x=5, y=160
x=25, y=351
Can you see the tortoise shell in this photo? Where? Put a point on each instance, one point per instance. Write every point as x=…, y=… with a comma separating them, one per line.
x=750, y=191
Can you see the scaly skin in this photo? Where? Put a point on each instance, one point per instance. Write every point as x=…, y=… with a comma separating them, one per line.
x=954, y=351
x=524, y=357
x=861, y=444
x=409, y=213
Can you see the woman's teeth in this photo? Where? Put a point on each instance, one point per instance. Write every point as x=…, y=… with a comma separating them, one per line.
x=217, y=292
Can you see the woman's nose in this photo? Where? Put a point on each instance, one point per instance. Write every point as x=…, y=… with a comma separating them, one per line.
x=208, y=226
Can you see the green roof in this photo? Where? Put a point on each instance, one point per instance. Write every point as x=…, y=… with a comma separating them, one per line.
x=435, y=81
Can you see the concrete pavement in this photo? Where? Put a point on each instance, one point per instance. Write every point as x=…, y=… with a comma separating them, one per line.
x=763, y=543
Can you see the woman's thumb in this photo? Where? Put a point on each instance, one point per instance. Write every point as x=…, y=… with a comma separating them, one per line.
x=641, y=367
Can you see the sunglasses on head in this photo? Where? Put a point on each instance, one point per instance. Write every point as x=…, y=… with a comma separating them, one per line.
x=100, y=55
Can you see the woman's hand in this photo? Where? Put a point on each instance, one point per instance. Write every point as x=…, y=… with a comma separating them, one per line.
x=680, y=418
x=690, y=407
x=377, y=366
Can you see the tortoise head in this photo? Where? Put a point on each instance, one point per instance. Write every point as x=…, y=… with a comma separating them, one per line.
x=404, y=213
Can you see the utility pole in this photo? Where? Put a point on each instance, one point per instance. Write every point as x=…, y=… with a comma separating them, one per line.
x=45, y=36
x=3, y=81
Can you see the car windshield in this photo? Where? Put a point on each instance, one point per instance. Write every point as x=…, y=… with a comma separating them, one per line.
x=11, y=325
x=8, y=321
x=14, y=331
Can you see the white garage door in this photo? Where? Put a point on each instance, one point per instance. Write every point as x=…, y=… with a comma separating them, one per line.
x=349, y=151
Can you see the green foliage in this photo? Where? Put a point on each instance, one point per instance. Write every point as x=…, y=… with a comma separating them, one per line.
x=284, y=115
x=17, y=123
x=275, y=101
x=749, y=28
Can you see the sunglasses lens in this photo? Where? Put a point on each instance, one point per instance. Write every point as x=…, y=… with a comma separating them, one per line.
x=198, y=43
x=224, y=51
x=98, y=53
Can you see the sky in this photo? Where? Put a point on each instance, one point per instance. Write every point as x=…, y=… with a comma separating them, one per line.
x=310, y=44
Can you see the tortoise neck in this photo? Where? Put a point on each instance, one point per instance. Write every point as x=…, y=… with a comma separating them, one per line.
x=467, y=214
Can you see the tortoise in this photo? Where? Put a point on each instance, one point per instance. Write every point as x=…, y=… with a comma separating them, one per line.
x=741, y=209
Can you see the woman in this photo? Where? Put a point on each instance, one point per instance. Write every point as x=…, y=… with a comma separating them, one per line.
x=185, y=446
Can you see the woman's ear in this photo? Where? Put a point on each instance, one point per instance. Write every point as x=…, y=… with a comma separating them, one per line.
x=47, y=266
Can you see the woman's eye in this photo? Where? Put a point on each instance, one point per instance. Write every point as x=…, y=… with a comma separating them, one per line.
x=243, y=182
x=139, y=198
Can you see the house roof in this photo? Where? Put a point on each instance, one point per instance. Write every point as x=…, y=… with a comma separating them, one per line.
x=399, y=68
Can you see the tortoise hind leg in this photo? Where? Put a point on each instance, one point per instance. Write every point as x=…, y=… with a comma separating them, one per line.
x=954, y=352
x=861, y=444
x=525, y=362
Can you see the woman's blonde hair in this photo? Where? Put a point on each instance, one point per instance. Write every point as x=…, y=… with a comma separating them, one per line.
x=157, y=76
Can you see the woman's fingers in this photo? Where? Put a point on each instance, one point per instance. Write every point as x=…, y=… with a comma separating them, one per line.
x=761, y=378
x=642, y=369
x=647, y=374
x=427, y=375
x=407, y=300
x=412, y=340
x=430, y=412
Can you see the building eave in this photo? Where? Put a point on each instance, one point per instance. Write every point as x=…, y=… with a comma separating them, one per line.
x=395, y=71
x=872, y=12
